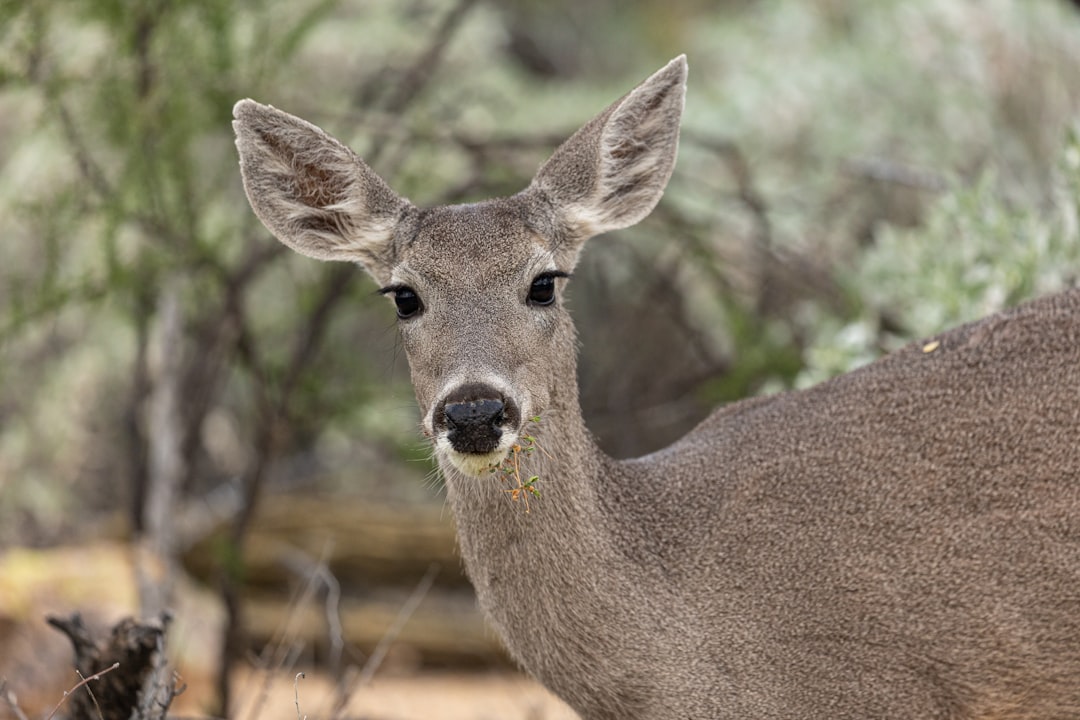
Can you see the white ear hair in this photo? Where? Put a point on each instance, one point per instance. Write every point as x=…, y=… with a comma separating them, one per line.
x=611, y=173
x=313, y=193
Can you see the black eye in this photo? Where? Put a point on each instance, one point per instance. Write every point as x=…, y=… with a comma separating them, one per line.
x=405, y=298
x=542, y=290
x=408, y=304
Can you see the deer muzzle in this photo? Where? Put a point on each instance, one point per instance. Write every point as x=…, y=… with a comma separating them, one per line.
x=475, y=425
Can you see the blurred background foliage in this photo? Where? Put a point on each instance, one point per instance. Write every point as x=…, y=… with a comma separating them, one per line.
x=852, y=176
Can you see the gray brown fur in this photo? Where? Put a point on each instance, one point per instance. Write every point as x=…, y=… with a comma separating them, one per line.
x=899, y=542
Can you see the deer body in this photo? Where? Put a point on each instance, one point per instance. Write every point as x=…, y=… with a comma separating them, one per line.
x=901, y=541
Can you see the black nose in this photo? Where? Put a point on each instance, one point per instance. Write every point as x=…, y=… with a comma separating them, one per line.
x=473, y=425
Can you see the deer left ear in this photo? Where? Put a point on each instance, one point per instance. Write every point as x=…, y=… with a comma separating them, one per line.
x=612, y=172
x=313, y=193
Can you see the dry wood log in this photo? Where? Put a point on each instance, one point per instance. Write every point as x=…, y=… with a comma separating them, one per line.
x=375, y=554
x=446, y=630
x=363, y=544
x=122, y=667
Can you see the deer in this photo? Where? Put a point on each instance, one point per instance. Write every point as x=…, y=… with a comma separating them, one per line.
x=902, y=541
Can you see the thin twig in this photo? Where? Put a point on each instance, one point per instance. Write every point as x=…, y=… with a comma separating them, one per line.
x=418, y=75
x=388, y=638
x=296, y=694
x=277, y=654
x=288, y=657
x=93, y=697
x=412, y=81
x=67, y=693
x=298, y=562
x=11, y=700
x=89, y=168
x=335, y=285
x=403, y=616
x=741, y=173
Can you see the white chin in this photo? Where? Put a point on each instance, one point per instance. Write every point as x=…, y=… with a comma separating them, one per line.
x=472, y=464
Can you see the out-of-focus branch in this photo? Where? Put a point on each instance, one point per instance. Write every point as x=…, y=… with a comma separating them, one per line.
x=155, y=567
x=275, y=400
x=11, y=701
x=88, y=166
x=379, y=654
x=419, y=74
x=741, y=173
x=890, y=171
x=409, y=83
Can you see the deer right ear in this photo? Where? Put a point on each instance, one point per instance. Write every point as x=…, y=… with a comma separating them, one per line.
x=611, y=173
x=313, y=193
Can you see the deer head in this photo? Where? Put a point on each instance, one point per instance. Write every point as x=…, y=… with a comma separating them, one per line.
x=477, y=287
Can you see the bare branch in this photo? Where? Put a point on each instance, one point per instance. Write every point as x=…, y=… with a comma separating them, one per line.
x=93, y=697
x=11, y=700
x=286, y=661
x=744, y=181
x=157, y=691
x=88, y=167
x=891, y=171
x=388, y=638
x=155, y=565
x=296, y=694
x=279, y=654
x=418, y=75
x=415, y=78
x=335, y=283
x=84, y=681
x=318, y=573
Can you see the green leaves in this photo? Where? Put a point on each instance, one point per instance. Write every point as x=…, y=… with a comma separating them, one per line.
x=977, y=252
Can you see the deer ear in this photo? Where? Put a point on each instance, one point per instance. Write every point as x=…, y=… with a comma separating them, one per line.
x=313, y=193
x=611, y=173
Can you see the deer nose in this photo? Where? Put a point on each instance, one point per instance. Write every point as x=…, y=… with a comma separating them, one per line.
x=473, y=425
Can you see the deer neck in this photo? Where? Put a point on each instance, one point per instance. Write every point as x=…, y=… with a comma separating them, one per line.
x=502, y=532
x=565, y=461
x=550, y=576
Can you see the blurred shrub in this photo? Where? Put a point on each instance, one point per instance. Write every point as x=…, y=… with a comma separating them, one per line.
x=978, y=252
x=834, y=151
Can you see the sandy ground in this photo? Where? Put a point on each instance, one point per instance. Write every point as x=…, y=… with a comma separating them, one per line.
x=491, y=696
x=35, y=660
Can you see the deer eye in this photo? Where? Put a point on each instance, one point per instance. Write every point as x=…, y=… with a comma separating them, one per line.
x=405, y=299
x=542, y=290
